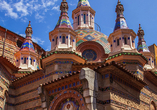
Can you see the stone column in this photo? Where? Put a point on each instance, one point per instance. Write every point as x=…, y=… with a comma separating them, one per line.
x=131, y=42
x=90, y=87
x=44, y=97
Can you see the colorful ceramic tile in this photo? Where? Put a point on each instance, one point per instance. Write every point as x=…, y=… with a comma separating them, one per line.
x=69, y=104
x=79, y=42
x=83, y=3
x=89, y=38
x=93, y=36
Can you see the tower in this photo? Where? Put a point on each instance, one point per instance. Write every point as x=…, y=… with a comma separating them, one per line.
x=26, y=57
x=143, y=49
x=122, y=42
x=63, y=37
x=122, y=39
x=83, y=16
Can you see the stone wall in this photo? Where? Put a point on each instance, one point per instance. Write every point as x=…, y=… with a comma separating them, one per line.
x=4, y=86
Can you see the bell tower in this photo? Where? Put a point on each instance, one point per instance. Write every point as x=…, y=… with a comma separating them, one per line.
x=27, y=59
x=143, y=49
x=63, y=37
x=122, y=42
x=83, y=16
x=122, y=39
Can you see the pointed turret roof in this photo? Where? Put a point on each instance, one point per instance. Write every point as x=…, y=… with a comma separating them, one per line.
x=64, y=21
x=28, y=44
x=142, y=47
x=120, y=21
x=83, y=3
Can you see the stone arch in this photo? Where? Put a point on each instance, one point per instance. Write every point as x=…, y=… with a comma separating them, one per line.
x=6, y=99
x=65, y=95
x=125, y=38
x=93, y=46
x=152, y=105
x=117, y=41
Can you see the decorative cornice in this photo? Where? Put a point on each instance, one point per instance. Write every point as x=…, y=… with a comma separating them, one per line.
x=61, y=78
x=127, y=53
x=63, y=52
x=121, y=68
x=28, y=74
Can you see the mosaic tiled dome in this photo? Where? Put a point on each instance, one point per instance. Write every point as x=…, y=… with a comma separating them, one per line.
x=27, y=46
x=92, y=35
x=83, y=3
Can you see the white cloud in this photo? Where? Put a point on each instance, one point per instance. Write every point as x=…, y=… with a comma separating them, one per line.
x=39, y=17
x=71, y=4
x=56, y=8
x=38, y=40
x=24, y=19
x=23, y=35
x=20, y=7
x=34, y=39
x=47, y=3
x=37, y=7
x=5, y=6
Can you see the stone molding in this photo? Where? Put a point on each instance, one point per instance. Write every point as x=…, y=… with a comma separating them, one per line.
x=67, y=94
x=90, y=87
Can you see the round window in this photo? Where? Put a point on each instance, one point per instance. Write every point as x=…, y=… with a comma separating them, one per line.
x=90, y=55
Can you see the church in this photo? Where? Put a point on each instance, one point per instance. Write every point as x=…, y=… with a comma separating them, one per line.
x=84, y=70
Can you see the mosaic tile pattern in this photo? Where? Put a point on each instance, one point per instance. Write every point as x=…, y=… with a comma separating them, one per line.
x=142, y=47
x=121, y=24
x=63, y=22
x=93, y=35
x=89, y=38
x=83, y=3
x=27, y=45
x=69, y=104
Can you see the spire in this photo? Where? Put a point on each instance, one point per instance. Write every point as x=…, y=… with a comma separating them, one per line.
x=120, y=21
x=64, y=19
x=29, y=31
x=27, y=44
x=83, y=3
x=142, y=47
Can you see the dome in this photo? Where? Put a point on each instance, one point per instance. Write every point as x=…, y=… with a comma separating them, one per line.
x=92, y=35
x=83, y=3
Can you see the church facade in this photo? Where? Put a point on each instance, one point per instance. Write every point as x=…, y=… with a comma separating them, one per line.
x=84, y=70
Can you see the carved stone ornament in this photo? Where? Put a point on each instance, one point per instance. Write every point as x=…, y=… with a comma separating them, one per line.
x=64, y=6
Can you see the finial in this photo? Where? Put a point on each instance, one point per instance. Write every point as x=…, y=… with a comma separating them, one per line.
x=140, y=31
x=64, y=6
x=140, y=28
x=119, y=2
x=29, y=31
x=29, y=25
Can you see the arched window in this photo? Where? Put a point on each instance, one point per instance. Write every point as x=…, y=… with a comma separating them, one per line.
x=24, y=60
x=152, y=106
x=117, y=42
x=78, y=19
x=84, y=18
x=63, y=39
x=125, y=40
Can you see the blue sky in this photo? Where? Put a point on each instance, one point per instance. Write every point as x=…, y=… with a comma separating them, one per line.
x=44, y=14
